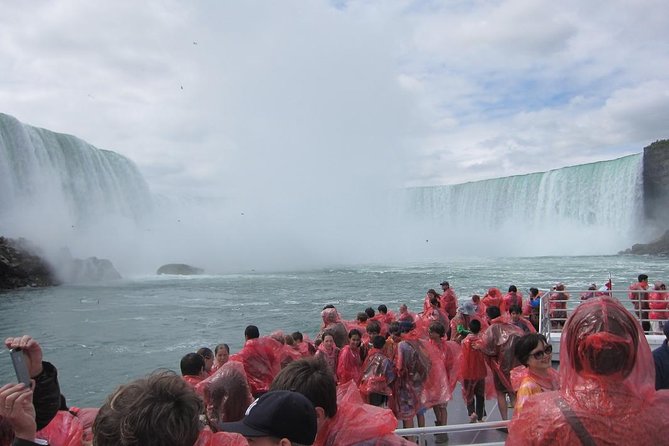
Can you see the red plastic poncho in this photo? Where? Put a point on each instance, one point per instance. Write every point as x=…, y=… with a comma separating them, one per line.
x=449, y=302
x=413, y=367
x=473, y=368
x=331, y=357
x=558, y=304
x=226, y=393
x=86, y=416
x=333, y=323
x=349, y=367
x=607, y=381
x=358, y=424
x=437, y=389
x=377, y=374
x=512, y=298
x=498, y=343
x=658, y=303
x=261, y=360
x=64, y=430
x=493, y=298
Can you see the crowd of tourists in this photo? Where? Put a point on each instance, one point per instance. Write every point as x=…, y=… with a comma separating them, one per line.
x=354, y=382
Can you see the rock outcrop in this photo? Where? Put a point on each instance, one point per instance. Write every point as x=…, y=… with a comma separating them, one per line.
x=92, y=269
x=659, y=247
x=656, y=182
x=21, y=265
x=179, y=269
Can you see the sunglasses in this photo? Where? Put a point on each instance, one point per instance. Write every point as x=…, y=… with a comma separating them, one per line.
x=540, y=355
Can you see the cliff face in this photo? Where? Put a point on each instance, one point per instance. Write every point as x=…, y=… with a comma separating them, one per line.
x=659, y=247
x=656, y=183
x=20, y=267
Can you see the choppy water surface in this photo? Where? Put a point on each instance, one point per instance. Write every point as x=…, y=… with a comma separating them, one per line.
x=101, y=336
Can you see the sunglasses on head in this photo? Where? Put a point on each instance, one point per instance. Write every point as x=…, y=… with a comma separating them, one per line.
x=540, y=355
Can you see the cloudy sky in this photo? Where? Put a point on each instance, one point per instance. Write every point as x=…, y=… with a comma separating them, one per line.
x=211, y=97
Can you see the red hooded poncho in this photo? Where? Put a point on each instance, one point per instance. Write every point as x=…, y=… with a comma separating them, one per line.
x=226, y=393
x=261, y=359
x=607, y=385
x=349, y=366
x=357, y=423
x=498, y=343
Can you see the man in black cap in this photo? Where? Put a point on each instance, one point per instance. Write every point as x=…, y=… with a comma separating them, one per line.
x=278, y=418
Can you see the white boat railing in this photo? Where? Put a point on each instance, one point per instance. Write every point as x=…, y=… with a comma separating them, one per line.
x=423, y=433
x=638, y=306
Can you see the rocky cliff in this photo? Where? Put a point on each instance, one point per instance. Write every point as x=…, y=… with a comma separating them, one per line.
x=21, y=266
x=656, y=183
x=659, y=247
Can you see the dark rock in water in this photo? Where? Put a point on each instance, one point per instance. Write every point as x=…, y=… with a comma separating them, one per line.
x=21, y=265
x=659, y=247
x=92, y=269
x=179, y=268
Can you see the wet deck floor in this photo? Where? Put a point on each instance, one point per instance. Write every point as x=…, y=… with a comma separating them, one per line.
x=457, y=414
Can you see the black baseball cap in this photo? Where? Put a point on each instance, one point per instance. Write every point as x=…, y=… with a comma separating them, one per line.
x=280, y=414
x=444, y=283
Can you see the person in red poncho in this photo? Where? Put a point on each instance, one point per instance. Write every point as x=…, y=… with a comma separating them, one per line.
x=377, y=374
x=639, y=299
x=607, y=390
x=443, y=375
x=558, y=305
x=517, y=319
x=226, y=395
x=513, y=297
x=192, y=368
x=328, y=352
x=261, y=358
x=659, y=308
x=333, y=323
x=497, y=343
x=349, y=367
x=473, y=372
x=536, y=374
x=492, y=298
x=343, y=418
x=221, y=356
x=413, y=368
x=448, y=300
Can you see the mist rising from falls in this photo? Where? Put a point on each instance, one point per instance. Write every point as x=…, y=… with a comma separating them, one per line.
x=593, y=208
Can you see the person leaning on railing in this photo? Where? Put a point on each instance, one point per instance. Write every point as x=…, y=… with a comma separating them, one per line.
x=658, y=301
x=639, y=299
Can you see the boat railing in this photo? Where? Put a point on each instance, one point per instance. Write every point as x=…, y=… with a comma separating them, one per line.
x=423, y=433
x=551, y=320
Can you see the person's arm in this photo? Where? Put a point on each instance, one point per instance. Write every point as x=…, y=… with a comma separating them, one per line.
x=46, y=391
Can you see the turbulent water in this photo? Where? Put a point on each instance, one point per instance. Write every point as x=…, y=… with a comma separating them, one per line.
x=101, y=336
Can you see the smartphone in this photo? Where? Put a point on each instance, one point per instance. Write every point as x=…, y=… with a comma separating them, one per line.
x=20, y=366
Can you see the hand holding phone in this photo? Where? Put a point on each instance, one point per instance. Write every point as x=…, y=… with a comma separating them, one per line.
x=20, y=366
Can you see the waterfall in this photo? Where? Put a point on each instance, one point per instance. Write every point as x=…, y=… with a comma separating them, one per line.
x=51, y=183
x=598, y=204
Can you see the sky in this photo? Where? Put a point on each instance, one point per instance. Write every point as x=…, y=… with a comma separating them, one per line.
x=315, y=105
x=207, y=97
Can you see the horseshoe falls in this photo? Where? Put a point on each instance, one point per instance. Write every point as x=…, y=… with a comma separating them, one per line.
x=594, y=208
x=58, y=190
